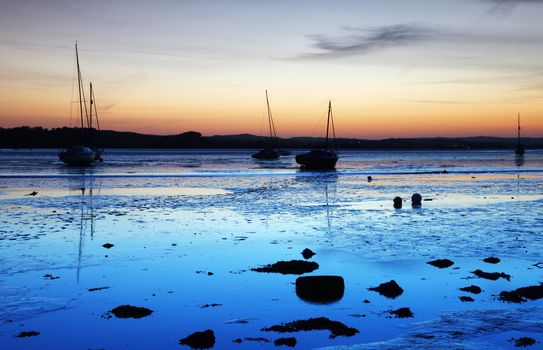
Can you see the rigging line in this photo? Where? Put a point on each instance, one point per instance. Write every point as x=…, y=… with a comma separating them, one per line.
x=72, y=97
x=333, y=128
x=93, y=99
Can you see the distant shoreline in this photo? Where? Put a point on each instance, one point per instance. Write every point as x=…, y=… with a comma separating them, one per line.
x=41, y=138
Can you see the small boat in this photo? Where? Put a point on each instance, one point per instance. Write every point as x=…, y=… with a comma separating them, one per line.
x=83, y=154
x=78, y=156
x=269, y=153
x=321, y=159
x=519, y=151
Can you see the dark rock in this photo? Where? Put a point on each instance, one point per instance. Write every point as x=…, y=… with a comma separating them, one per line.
x=33, y=193
x=522, y=294
x=314, y=324
x=307, y=253
x=403, y=312
x=370, y=179
x=107, y=245
x=524, y=341
x=129, y=311
x=320, y=288
x=292, y=267
x=492, y=260
x=416, y=200
x=260, y=339
x=97, y=289
x=398, y=201
x=210, y=273
x=199, y=340
x=466, y=299
x=441, y=263
x=25, y=334
x=390, y=289
x=210, y=305
x=290, y=342
x=472, y=289
x=494, y=276
x=366, y=301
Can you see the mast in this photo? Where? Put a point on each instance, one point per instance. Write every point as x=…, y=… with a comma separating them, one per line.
x=90, y=105
x=273, y=134
x=79, y=86
x=328, y=123
x=518, y=130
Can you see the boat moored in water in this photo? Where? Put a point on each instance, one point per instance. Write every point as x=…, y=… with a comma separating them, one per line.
x=78, y=156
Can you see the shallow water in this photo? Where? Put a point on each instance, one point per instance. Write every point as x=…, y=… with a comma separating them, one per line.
x=174, y=216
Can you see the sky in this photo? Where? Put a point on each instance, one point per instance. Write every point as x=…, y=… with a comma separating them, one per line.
x=392, y=68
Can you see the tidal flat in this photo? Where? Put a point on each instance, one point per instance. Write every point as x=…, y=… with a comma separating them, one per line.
x=151, y=247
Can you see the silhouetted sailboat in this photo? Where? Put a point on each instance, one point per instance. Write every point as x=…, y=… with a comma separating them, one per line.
x=519, y=151
x=84, y=154
x=269, y=153
x=321, y=159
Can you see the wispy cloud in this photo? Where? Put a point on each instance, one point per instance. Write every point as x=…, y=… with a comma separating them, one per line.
x=505, y=7
x=364, y=40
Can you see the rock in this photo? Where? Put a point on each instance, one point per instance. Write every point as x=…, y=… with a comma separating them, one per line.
x=307, y=253
x=320, y=288
x=314, y=324
x=50, y=277
x=33, y=193
x=199, y=340
x=494, y=276
x=522, y=294
x=97, y=289
x=290, y=342
x=472, y=289
x=107, y=245
x=129, y=311
x=466, y=299
x=370, y=179
x=390, y=289
x=403, y=312
x=524, y=342
x=398, y=201
x=491, y=260
x=441, y=263
x=416, y=200
x=292, y=267
x=25, y=334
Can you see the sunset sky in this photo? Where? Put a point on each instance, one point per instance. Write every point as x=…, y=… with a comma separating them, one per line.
x=393, y=68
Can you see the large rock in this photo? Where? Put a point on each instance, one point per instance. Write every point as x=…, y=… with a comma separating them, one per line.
x=199, y=340
x=320, y=289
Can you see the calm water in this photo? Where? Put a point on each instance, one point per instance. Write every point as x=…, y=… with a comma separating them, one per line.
x=174, y=216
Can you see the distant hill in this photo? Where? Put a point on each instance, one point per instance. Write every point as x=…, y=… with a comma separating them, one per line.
x=38, y=137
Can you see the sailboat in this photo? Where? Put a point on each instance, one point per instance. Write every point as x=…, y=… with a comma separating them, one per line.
x=519, y=151
x=269, y=153
x=83, y=154
x=321, y=159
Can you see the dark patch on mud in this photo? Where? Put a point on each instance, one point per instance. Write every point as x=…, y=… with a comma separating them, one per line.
x=320, y=289
x=307, y=253
x=199, y=340
x=108, y=245
x=292, y=267
x=522, y=294
x=389, y=289
x=205, y=306
x=129, y=311
x=466, y=299
x=472, y=289
x=493, y=276
x=25, y=334
x=523, y=342
x=50, y=277
x=403, y=312
x=441, y=263
x=314, y=324
x=290, y=342
x=491, y=260
x=97, y=289
x=259, y=339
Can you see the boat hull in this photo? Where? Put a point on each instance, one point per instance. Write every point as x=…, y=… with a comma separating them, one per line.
x=268, y=154
x=78, y=156
x=318, y=160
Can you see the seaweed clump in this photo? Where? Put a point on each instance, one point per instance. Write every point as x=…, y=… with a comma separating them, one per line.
x=522, y=294
x=314, y=324
x=292, y=267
